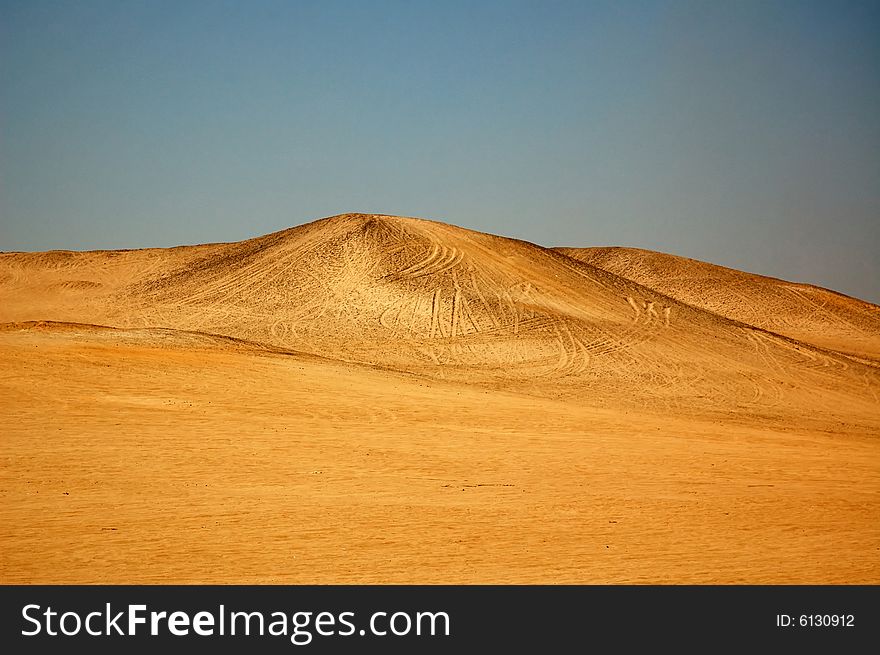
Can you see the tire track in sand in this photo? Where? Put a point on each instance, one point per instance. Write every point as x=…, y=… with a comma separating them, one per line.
x=439, y=259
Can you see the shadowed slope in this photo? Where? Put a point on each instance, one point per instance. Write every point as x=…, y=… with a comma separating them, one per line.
x=808, y=313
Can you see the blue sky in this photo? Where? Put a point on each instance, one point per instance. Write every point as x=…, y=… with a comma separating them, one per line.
x=741, y=133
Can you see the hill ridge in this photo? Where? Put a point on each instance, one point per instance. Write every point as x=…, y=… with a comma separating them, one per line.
x=806, y=312
x=442, y=301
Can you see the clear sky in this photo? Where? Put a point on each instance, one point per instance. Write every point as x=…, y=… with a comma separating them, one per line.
x=742, y=133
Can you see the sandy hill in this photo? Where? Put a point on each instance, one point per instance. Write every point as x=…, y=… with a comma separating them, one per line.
x=393, y=400
x=438, y=300
x=801, y=311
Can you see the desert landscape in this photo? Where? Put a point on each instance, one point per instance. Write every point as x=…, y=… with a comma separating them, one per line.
x=377, y=399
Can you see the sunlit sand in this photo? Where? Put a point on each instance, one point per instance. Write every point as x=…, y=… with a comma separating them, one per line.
x=375, y=399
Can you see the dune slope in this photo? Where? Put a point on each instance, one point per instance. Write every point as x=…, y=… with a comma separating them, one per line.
x=437, y=300
x=801, y=311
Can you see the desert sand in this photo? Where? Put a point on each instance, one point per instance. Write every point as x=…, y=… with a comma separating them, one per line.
x=377, y=399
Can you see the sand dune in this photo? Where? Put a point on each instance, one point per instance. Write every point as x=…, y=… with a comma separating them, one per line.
x=470, y=408
x=433, y=299
x=805, y=312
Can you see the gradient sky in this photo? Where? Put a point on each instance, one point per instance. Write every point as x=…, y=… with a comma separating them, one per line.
x=742, y=133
